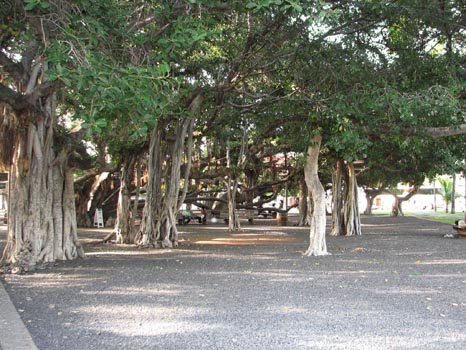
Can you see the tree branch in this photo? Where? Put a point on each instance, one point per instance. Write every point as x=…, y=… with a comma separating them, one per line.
x=14, y=69
x=443, y=131
x=8, y=96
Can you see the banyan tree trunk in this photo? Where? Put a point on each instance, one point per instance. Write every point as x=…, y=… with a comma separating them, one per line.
x=42, y=226
x=158, y=224
x=149, y=231
x=233, y=218
x=396, y=208
x=82, y=200
x=351, y=207
x=317, y=244
x=251, y=180
x=232, y=184
x=232, y=188
x=305, y=210
x=123, y=229
x=337, y=199
x=346, y=219
x=370, y=196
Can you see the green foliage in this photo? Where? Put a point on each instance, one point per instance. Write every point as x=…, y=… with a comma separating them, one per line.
x=32, y=4
x=267, y=5
x=446, y=188
x=369, y=75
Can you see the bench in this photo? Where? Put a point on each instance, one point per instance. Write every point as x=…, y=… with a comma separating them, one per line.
x=264, y=212
x=185, y=216
x=223, y=215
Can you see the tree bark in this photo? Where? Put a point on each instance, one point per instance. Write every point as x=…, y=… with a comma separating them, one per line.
x=397, y=209
x=83, y=196
x=305, y=210
x=352, y=218
x=337, y=200
x=444, y=131
x=317, y=244
x=370, y=196
x=42, y=226
x=346, y=219
x=232, y=182
x=123, y=229
x=158, y=224
x=135, y=209
x=453, y=194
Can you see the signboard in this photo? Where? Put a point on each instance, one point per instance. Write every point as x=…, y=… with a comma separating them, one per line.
x=98, y=218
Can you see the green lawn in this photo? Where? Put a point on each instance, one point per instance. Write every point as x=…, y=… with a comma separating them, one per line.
x=449, y=218
x=437, y=216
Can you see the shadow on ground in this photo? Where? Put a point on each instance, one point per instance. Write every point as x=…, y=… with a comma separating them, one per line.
x=399, y=286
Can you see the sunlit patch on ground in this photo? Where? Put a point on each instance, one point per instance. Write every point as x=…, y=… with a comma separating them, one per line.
x=250, y=239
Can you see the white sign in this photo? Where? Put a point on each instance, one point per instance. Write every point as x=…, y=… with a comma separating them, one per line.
x=98, y=218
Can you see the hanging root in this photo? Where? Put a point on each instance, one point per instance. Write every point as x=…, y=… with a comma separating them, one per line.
x=109, y=237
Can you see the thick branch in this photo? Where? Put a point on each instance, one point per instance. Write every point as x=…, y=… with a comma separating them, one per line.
x=8, y=96
x=20, y=102
x=444, y=131
x=14, y=69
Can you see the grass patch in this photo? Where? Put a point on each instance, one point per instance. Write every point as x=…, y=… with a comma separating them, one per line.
x=440, y=217
x=436, y=216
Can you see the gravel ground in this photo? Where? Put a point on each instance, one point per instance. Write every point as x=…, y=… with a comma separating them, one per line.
x=399, y=286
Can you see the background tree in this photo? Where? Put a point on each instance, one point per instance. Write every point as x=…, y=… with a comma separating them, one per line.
x=446, y=190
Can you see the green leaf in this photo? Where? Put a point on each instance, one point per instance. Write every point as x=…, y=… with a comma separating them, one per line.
x=102, y=123
x=164, y=68
x=298, y=8
x=66, y=81
x=30, y=5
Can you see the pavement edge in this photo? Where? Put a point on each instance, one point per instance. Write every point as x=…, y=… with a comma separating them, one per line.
x=13, y=333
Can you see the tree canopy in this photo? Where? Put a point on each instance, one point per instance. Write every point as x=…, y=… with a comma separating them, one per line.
x=227, y=83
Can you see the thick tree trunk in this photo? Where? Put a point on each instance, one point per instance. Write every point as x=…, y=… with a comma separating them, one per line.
x=234, y=223
x=232, y=183
x=369, y=203
x=370, y=196
x=453, y=194
x=317, y=244
x=83, y=196
x=123, y=230
x=251, y=180
x=42, y=217
x=42, y=225
x=150, y=223
x=346, y=219
x=351, y=205
x=305, y=210
x=232, y=188
x=338, y=228
x=135, y=209
x=158, y=224
x=397, y=209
